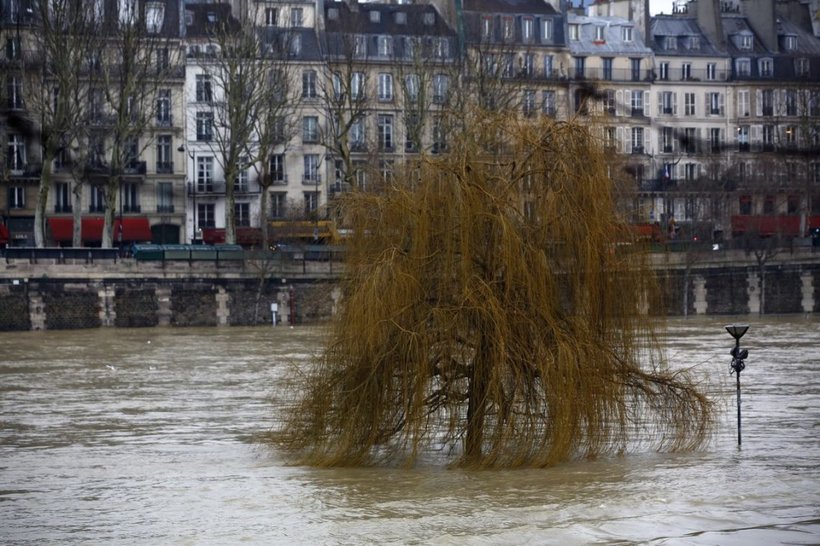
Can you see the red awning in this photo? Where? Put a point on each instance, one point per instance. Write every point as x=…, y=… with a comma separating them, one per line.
x=61, y=229
x=247, y=236
x=133, y=229
x=4, y=234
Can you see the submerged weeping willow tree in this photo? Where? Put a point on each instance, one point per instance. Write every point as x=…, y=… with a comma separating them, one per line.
x=491, y=310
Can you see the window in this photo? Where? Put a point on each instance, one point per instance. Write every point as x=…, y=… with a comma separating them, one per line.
x=203, y=88
x=164, y=164
x=743, y=67
x=311, y=202
x=609, y=102
x=507, y=28
x=442, y=48
x=600, y=33
x=743, y=138
x=667, y=105
x=385, y=128
x=711, y=71
x=205, y=174
x=610, y=137
x=241, y=184
x=130, y=197
x=607, y=67
x=546, y=30
x=635, y=65
x=359, y=45
x=670, y=42
x=411, y=87
x=295, y=45
x=296, y=17
x=637, y=140
x=277, y=168
x=689, y=104
x=16, y=153
x=714, y=103
x=527, y=61
x=765, y=67
x=548, y=66
x=310, y=129
x=667, y=140
x=768, y=138
x=580, y=66
x=358, y=136
x=790, y=135
x=664, y=71
x=528, y=102
x=278, y=204
x=626, y=34
x=527, y=29
x=17, y=197
x=767, y=102
x=791, y=102
x=801, y=66
x=690, y=140
x=62, y=197
x=164, y=107
x=745, y=41
x=385, y=45
x=242, y=214
x=690, y=171
x=715, y=140
x=385, y=87
x=694, y=42
x=790, y=42
x=311, y=166
x=439, y=137
x=271, y=17
x=686, y=71
x=441, y=88
x=204, y=126
x=14, y=92
x=163, y=59
x=165, y=197
x=308, y=84
x=637, y=102
x=97, y=201
x=154, y=15
x=549, y=103
x=574, y=32
x=357, y=89
x=742, y=103
x=205, y=215
x=13, y=48
x=487, y=27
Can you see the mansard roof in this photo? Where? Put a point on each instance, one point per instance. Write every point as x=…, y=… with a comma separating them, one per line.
x=682, y=28
x=512, y=7
x=202, y=19
x=613, y=43
x=389, y=19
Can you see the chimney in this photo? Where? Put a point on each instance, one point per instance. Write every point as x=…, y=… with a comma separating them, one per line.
x=761, y=17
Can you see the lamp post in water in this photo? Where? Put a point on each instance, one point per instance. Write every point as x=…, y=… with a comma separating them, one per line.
x=737, y=366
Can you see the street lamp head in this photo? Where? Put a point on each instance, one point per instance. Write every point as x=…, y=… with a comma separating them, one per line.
x=737, y=330
x=181, y=148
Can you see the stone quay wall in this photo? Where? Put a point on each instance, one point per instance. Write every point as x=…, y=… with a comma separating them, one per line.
x=53, y=296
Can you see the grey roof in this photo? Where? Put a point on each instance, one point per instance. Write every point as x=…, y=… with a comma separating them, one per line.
x=530, y=7
x=613, y=43
x=360, y=22
x=807, y=43
x=669, y=25
x=736, y=24
x=203, y=18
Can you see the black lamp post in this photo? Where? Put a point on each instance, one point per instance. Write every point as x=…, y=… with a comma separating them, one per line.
x=192, y=182
x=738, y=364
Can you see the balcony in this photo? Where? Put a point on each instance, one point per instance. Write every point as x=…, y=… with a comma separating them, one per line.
x=313, y=180
x=216, y=188
x=278, y=179
x=135, y=167
x=131, y=207
x=165, y=167
x=165, y=121
x=637, y=150
x=165, y=209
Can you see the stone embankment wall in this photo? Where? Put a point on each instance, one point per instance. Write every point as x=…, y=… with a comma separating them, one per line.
x=46, y=296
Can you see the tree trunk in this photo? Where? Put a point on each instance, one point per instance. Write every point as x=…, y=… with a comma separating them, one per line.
x=42, y=198
x=476, y=406
x=77, y=233
x=111, y=191
x=264, y=185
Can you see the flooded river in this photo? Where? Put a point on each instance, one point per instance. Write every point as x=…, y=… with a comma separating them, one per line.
x=149, y=437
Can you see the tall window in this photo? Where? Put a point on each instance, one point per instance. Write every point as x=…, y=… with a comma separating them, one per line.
x=580, y=66
x=607, y=68
x=277, y=169
x=205, y=215
x=205, y=174
x=164, y=164
x=17, y=197
x=62, y=197
x=667, y=140
x=14, y=92
x=667, y=105
x=164, y=107
x=766, y=68
x=715, y=103
x=309, y=84
x=714, y=140
x=242, y=214
x=664, y=71
x=357, y=134
x=357, y=89
x=767, y=102
x=743, y=67
x=486, y=27
x=385, y=128
x=16, y=152
x=165, y=197
x=686, y=71
x=626, y=34
x=791, y=102
x=384, y=45
x=203, y=88
x=549, y=102
x=546, y=30
x=637, y=140
x=204, y=126
x=711, y=71
x=411, y=86
x=310, y=129
x=527, y=29
x=528, y=102
x=240, y=185
x=271, y=17
x=130, y=197
x=635, y=65
x=311, y=165
x=689, y=104
x=97, y=199
x=296, y=17
x=278, y=204
x=385, y=86
x=441, y=88
x=742, y=103
x=690, y=140
x=637, y=102
x=743, y=138
x=508, y=28
x=311, y=199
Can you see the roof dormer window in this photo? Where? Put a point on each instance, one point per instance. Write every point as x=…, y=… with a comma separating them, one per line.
x=574, y=32
x=626, y=34
x=600, y=33
x=429, y=19
x=375, y=16
x=694, y=42
x=400, y=17
x=670, y=42
x=744, y=40
x=790, y=42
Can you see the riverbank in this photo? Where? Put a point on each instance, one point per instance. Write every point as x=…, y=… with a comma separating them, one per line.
x=60, y=293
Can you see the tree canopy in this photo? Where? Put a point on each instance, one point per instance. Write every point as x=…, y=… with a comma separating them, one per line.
x=494, y=310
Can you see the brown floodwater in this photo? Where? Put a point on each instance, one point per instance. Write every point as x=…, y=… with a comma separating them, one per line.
x=149, y=436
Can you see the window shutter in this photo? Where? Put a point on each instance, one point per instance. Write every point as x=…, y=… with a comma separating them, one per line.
x=759, y=102
x=756, y=132
x=660, y=103
x=621, y=145
x=619, y=103
x=647, y=112
x=646, y=138
x=674, y=103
